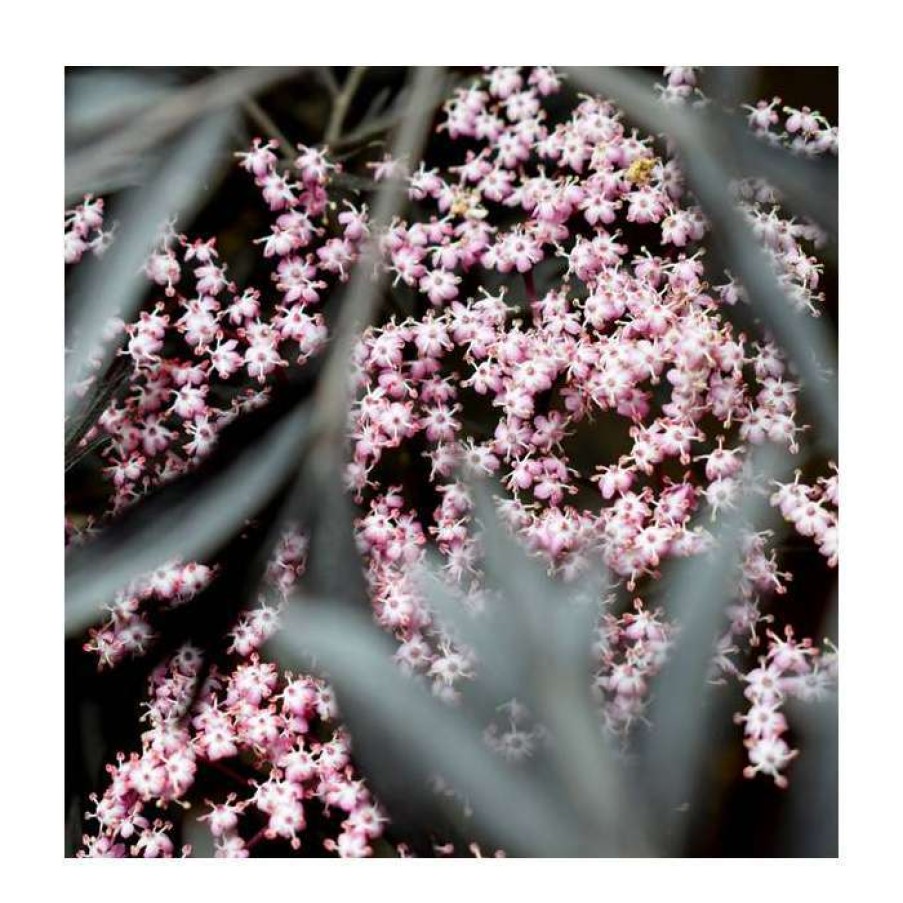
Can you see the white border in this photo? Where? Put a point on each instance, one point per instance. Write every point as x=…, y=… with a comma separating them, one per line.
x=42, y=39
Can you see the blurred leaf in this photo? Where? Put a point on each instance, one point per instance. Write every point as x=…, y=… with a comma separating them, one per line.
x=696, y=592
x=403, y=735
x=179, y=522
x=377, y=104
x=326, y=77
x=199, y=838
x=533, y=647
x=811, y=828
x=99, y=100
x=483, y=632
x=549, y=624
x=334, y=567
x=730, y=86
x=125, y=149
x=115, y=284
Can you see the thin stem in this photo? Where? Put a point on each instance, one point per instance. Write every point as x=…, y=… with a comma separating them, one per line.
x=387, y=121
x=255, y=839
x=324, y=74
x=368, y=130
x=364, y=292
x=262, y=119
x=342, y=103
x=166, y=119
x=230, y=773
x=531, y=287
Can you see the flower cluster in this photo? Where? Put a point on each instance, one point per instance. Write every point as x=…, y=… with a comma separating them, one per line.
x=789, y=669
x=812, y=510
x=281, y=724
x=609, y=331
x=205, y=351
x=84, y=230
x=281, y=727
x=554, y=278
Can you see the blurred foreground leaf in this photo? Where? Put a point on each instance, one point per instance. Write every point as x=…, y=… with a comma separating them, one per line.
x=115, y=284
x=571, y=798
x=696, y=592
x=189, y=519
x=129, y=117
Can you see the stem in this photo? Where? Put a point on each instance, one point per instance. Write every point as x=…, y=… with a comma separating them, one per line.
x=255, y=839
x=531, y=287
x=262, y=118
x=342, y=102
x=324, y=74
x=230, y=773
x=387, y=121
x=363, y=295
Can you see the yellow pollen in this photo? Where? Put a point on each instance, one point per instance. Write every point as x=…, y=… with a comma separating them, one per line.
x=640, y=171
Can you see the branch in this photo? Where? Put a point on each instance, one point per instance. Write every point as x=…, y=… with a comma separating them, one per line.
x=342, y=103
x=266, y=123
x=164, y=120
x=360, y=301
